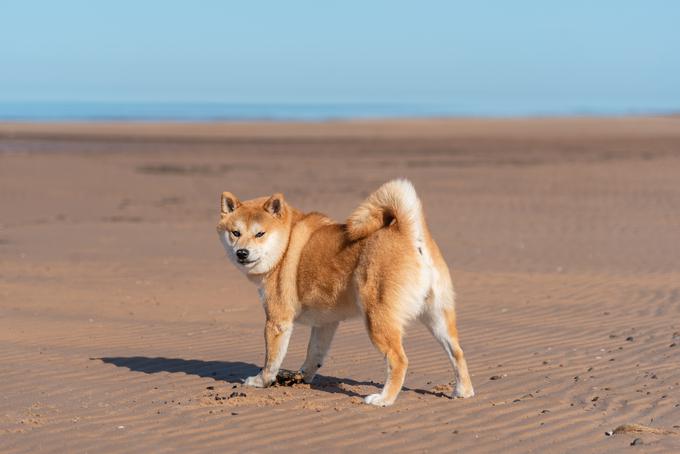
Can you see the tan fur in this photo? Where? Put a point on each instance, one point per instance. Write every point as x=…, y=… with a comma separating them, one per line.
x=382, y=265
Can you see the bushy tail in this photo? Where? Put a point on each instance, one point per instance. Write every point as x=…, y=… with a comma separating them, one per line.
x=395, y=201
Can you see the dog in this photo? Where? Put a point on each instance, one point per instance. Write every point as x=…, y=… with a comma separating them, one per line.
x=382, y=265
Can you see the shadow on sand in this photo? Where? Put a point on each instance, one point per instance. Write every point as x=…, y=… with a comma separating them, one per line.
x=235, y=372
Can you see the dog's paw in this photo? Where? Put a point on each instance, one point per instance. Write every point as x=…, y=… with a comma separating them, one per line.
x=307, y=377
x=463, y=393
x=256, y=381
x=378, y=400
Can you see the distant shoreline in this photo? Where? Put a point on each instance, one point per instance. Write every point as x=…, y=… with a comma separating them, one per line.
x=574, y=128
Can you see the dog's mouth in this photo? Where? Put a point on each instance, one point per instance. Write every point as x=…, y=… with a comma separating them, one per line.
x=246, y=261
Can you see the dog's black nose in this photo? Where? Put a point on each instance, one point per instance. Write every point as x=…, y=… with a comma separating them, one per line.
x=242, y=254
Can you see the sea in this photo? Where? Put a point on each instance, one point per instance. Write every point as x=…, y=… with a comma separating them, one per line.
x=220, y=111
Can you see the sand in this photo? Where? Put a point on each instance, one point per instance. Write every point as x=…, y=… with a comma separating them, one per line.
x=123, y=328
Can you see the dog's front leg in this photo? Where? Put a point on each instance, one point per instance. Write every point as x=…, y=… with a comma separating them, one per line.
x=276, y=336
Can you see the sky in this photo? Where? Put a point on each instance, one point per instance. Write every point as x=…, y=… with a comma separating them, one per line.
x=574, y=54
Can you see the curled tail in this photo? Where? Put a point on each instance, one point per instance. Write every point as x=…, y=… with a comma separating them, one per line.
x=394, y=202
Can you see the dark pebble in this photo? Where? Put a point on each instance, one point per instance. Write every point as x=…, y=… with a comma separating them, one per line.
x=630, y=338
x=209, y=387
x=636, y=442
x=495, y=377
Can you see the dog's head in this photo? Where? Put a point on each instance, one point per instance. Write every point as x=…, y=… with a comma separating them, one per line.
x=254, y=232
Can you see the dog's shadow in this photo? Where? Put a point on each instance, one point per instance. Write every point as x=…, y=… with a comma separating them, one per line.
x=235, y=372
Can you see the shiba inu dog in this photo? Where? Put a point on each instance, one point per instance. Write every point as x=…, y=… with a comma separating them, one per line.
x=382, y=265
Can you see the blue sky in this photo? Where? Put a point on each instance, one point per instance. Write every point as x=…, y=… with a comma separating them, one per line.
x=625, y=53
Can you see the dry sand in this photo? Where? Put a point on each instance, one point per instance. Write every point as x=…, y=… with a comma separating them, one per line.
x=123, y=328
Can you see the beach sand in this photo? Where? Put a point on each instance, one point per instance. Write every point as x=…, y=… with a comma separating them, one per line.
x=123, y=327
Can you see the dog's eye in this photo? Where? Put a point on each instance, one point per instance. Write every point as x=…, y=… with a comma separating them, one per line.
x=259, y=234
x=236, y=233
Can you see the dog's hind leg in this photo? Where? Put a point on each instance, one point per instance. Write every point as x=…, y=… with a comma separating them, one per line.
x=319, y=343
x=441, y=321
x=386, y=335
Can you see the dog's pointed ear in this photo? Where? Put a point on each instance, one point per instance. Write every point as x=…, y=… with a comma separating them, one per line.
x=275, y=205
x=229, y=203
